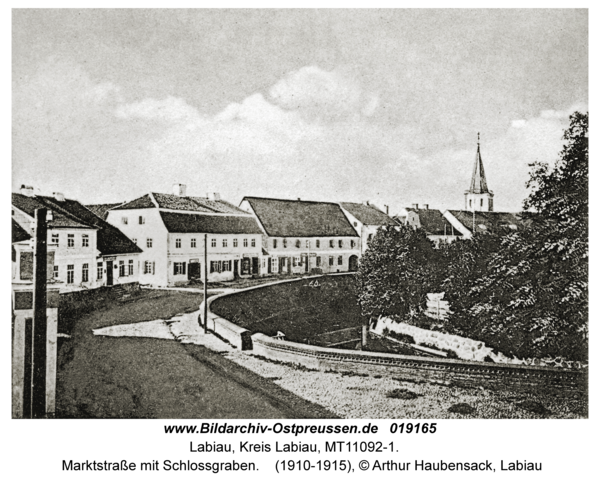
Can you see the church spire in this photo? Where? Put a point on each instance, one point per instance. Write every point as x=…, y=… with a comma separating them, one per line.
x=479, y=197
x=478, y=181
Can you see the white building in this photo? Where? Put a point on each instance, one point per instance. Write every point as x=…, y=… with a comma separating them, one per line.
x=305, y=236
x=89, y=253
x=366, y=220
x=171, y=229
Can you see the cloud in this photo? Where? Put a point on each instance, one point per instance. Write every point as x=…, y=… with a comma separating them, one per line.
x=323, y=95
x=170, y=109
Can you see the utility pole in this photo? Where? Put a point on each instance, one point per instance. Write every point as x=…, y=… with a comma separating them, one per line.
x=38, y=367
x=205, y=283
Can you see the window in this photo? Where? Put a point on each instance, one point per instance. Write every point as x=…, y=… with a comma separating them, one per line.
x=224, y=242
x=226, y=266
x=55, y=272
x=85, y=272
x=130, y=267
x=297, y=243
x=296, y=262
x=274, y=243
x=355, y=224
x=193, y=243
x=352, y=243
x=318, y=243
x=134, y=240
x=179, y=268
x=341, y=243
x=177, y=242
x=331, y=243
x=70, y=273
x=149, y=242
x=213, y=242
x=215, y=266
x=253, y=242
x=124, y=220
x=245, y=242
x=55, y=238
x=149, y=267
x=121, y=268
x=70, y=240
x=470, y=203
x=99, y=271
x=142, y=220
x=235, y=242
x=370, y=237
x=331, y=261
x=283, y=263
x=340, y=260
x=85, y=240
x=284, y=243
x=307, y=243
x=318, y=261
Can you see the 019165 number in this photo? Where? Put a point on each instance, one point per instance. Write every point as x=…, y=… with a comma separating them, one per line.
x=407, y=428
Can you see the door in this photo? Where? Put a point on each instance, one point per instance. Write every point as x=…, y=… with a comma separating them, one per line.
x=193, y=270
x=353, y=263
x=109, y=273
x=305, y=261
x=236, y=268
x=269, y=266
x=254, y=265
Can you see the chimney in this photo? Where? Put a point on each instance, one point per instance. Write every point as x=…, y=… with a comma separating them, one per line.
x=425, y=206
x=415, y=206
x=58, y=196
x=26, y=190
x=299, y=199
x=213, y=196
x=367, y=203
x=179, y=189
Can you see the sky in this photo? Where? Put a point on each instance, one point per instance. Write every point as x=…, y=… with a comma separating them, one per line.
x=331, y=105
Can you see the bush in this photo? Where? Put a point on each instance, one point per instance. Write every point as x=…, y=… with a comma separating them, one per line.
x=401, y=393
x=461, y=408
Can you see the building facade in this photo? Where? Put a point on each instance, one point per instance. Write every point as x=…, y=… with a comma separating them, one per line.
x=172, y=228
x=366, y=220
x=303, y=237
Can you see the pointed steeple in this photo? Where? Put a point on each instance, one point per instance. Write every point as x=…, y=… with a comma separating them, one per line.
x=478, y=181
x=479, y=197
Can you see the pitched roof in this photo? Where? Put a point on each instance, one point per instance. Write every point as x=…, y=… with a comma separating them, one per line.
x=60, y=217
x=434, y=223
x=489, y=221
x=102, y=209
x=19, y=234
x=478, y=181
x=295, y=218
x=367, y=214
x=184, y=203
x=139, y=203
x=204, y=223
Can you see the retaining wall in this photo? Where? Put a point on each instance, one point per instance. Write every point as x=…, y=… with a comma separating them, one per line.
x=413, y=368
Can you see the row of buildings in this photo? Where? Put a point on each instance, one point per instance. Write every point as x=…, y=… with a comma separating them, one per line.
x=160, y=238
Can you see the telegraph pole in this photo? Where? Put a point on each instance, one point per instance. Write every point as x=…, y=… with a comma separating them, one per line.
x=205, y=283
x=38, y=367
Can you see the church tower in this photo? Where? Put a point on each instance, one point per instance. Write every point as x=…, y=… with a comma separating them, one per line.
x=479, y=197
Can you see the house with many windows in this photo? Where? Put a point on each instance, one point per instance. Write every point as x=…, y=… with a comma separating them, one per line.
x=305, y=236
x=172, y=229
x=366, y=220
x=88, y=252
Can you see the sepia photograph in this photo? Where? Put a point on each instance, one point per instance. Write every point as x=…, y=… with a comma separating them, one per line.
x=306, y=214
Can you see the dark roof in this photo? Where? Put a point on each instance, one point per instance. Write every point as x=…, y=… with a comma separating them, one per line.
x=60, y=217
x=367, y=214
x=110, y=240
x=295, y=218
x=19, y=234
x=434, y=223
x=184, y=203
x=102, y=210
x=493, y=221
x=139, y=203
x=201, y=223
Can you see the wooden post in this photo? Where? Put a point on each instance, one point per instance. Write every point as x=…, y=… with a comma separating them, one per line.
x=40, y=262
x=205, y=283
x=27, y=358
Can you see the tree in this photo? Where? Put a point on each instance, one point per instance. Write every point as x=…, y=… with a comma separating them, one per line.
x=532, y=298
x=395, y=273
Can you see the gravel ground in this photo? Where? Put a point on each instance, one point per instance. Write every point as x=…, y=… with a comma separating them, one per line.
x=354, y=396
